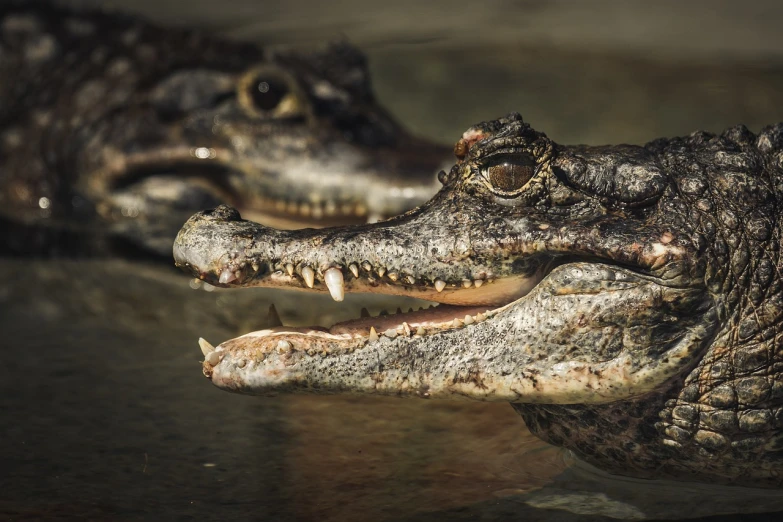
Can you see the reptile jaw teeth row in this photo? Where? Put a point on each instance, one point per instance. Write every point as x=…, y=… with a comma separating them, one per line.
x=285, y=347
x=334, y=279
x=315, y=209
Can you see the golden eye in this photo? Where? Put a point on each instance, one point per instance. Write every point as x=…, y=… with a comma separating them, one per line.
x=508, y=173
x=269, y=92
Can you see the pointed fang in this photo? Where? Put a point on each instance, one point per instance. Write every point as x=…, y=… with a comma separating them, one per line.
x=206, y=348
x=373, y=334
x=226, y=276
x=334, y=282
x=354, y=269
x=309, y=276
x=440, y=285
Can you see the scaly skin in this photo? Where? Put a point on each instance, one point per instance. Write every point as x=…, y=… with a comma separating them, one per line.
x=111, y=126
x=626, y=299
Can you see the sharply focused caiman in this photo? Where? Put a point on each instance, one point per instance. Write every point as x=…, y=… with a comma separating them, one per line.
x=626, y=299
x=113, y=127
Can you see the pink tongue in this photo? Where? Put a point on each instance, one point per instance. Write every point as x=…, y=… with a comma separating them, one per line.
x=433, y=316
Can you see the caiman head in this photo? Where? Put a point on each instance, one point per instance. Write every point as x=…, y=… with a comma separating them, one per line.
x=140, y=126
x=536, y=278
x=582, y=283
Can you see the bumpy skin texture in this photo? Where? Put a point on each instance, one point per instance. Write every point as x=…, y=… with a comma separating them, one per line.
x=645, y=332
x=111, y=124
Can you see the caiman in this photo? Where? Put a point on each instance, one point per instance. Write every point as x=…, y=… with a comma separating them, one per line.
x=627, y=300
x=114, y=127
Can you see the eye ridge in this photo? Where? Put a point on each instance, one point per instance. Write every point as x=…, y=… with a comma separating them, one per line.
x=509, y=173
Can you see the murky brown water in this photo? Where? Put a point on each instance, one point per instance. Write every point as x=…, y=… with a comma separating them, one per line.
x=105, y=414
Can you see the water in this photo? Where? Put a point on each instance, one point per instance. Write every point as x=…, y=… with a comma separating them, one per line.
x=105, y=414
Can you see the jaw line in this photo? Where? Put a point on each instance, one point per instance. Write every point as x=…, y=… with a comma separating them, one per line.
x=354, y=334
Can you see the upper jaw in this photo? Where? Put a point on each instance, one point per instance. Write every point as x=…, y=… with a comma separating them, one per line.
x=390, y=257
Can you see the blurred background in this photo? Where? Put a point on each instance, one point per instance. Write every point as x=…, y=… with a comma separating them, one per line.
x=106, y=414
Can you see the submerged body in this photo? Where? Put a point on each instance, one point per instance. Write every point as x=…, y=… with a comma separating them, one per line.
x=112, y=128
x=626, y=299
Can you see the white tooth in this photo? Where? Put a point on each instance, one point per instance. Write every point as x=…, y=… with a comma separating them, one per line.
x=290, y=269
x=309, y=276
x=481, y=316
x=469, y=319
x=440, y=285
x=393, y=276
x=334, y=282
x=206, y=348
x=255, y=267
x=410, y=280
x=367, y=266
x=226, y=276
x=420, y=331
x=373, y=334
x=241, y=363
x=466, y=283
x=354, y=269
x=406, y=329
x=212, y=358
x=381, y=271
x=478, y=282
x=391, y=333
x=456, y=323
x=283, y=346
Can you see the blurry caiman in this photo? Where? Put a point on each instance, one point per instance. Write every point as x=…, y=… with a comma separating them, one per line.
x=627, y=299
x=112, y=124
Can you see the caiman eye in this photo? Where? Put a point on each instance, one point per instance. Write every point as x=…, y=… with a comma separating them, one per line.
x=271, y=93
x=507, y=174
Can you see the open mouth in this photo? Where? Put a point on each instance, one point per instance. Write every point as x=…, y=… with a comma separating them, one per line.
x=454, y=304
